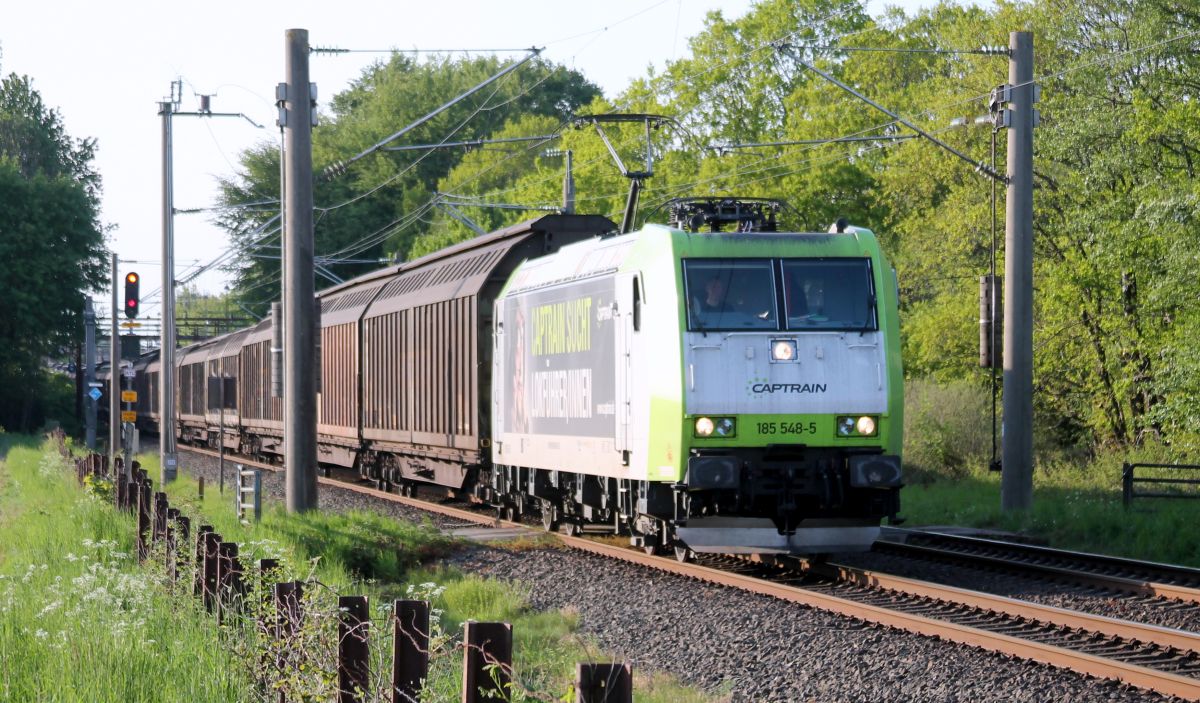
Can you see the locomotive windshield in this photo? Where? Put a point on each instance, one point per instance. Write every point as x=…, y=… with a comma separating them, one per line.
x=834, y=294
x=745, y=294
x=731, y=294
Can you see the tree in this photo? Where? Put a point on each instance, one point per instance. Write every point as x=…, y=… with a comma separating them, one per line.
x=381, y=205
x=51, y=239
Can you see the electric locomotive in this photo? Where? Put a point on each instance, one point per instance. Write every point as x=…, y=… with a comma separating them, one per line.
x=710, y=386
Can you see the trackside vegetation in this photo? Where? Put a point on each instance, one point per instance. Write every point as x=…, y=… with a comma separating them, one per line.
x=81, y=620
x=1077, y=493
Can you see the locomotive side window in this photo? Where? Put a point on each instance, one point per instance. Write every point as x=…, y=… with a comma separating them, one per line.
x=730, y=294
x=829, y=294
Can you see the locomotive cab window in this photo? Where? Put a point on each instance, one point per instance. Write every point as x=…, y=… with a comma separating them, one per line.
x=829, y=294
x=730, y=294
x=814, y=294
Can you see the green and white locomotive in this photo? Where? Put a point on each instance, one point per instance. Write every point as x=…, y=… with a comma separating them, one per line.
x=709, y=386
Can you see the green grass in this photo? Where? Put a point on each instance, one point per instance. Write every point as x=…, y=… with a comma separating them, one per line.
x=80, y=620
x=1077, y=491
x=1076, y=505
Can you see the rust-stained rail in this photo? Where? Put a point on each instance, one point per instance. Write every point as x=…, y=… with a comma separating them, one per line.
x=1102, y=571
x=1060, y=617
x=1163, y=682
x=1159, y=681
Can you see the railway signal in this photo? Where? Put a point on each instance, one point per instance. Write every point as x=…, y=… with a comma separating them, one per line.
x=132, y=283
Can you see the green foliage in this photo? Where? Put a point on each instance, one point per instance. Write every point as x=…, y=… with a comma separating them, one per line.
x=386, y=559
x=1076, y=505
x=49, y=223
x=947, y=431
x=79, y=619
x=361, y=231
x=100, y=487
x=1117, y=208
x=202, y=315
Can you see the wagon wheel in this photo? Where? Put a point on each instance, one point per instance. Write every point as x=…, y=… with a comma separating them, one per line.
x=652, y=544
x=683, y=554
x=549, y=519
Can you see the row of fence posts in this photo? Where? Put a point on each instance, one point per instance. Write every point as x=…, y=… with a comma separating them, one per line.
x=219, y=580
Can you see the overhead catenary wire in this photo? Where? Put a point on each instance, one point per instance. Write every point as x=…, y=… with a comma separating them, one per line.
x=394, y=50
x=229, y=251
x=460, y=185
x=682, y=79
x=340, y=166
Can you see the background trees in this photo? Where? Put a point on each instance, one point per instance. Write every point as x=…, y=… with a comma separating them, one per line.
x=354, y=230
x=51, y=242
x=1117, y=154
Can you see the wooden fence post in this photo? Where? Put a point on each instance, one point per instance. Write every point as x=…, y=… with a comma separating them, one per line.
x=198, y=561
x=603, y=683
x=143, y=508
x=229, y=580
x=268, y=573
x=288, y=597
x=180, y=541
x=487, y=662
x=354, y=672
x=410, y=651
x=212, y=542
x=172, y=543
x=159, y=530
x=122, y=493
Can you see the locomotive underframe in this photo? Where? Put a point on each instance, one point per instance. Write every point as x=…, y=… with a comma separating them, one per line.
x=777, y=499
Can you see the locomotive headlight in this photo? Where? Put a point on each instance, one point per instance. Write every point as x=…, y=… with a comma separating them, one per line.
x=704, y=426
x=857, y=426
x=783, y=350
x=725, y=427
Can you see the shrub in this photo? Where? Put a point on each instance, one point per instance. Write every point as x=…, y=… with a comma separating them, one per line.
x=947, y=427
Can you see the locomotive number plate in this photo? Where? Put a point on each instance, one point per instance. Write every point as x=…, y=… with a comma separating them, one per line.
x=785, y=427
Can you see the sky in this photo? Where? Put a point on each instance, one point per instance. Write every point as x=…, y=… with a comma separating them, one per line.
x=105, y=66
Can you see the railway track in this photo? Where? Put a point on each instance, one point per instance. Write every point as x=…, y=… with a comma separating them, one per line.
x=1094, y=570
x=1158, y=659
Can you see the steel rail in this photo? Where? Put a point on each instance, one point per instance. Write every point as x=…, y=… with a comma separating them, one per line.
x=1126, y=584
x=1159, y=681
x=1162, y=682
x=1061, y=617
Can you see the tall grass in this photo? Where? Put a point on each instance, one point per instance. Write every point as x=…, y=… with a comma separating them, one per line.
x=80, y=620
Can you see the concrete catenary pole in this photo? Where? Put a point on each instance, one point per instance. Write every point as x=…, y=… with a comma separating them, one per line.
x=89, y=373
x=1016, y=485
x=166, y=374
x=114, y=384
x=299, y=390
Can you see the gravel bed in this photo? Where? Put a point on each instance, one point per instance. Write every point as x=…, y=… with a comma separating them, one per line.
x=741, y=646
x=331, y=499
x=1127, y=606
x=756, y=648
